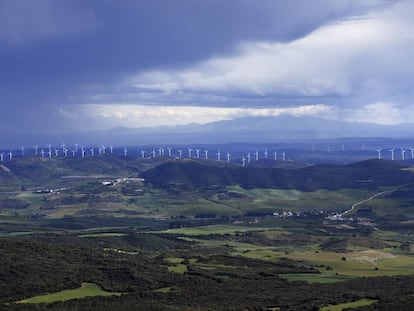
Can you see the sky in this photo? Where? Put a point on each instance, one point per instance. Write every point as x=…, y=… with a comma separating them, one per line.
x=74, y=65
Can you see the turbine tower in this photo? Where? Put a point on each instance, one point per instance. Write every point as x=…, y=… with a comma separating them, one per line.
x=243, y=161
x=103, y=149
x=50, y=153
x=76, y=148
x=42, y=153
x=50, y=148
x=65, y=151
x=169, y=151
x=1, y=157
x=206, y=153
x=403, y=153
x=111, y=148
x=180, y=153
x=275, y=154
x=412, y=153
x=248, y=158
x=83, y=151
x=265, y=154
x=218, y=155
x=63, y=146
x=228, y=157
x=56, y=152
x=126, y=151
x=73, y=153
x=392, y=153
x=257, y=155
x=154, y=154
x=142, y=153
x=10, y=155
x=36, y=148
x=283, y=156
x=189, y=152
x=379, y=153
x=92, y=151
x=198, y=153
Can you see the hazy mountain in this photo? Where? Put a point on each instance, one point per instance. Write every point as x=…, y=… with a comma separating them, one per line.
x=249, y=129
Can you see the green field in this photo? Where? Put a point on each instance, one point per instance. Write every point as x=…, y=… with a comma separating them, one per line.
x=86, y=290
x=355, y=304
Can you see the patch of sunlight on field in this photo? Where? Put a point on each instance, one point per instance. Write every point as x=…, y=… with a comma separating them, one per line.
x=354, y=304
x=65, y=210
x=86, y=290
x=215, y=229
x=163, y=290
x=362, y=263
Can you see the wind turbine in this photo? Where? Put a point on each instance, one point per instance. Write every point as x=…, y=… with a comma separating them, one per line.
x=275, y=154
x=126, y=151
x=403, y=153
x=412, y=153
x=142, y=153
x=63, y=146
x=379, y=153
x=189, y=152
x=283, y=156
x=103, y=149
x=50, y=153
x=153, y=153
x=1, y=157
x=111, y=148
x=65, y=151
x=248, y=158
x=42, y=153
x=76, y=148
x=10, y=155
x=243, y=161
x=218, y=156
x=206, y=152
x=92, y=151
x=392, y=153
x=228, y=157
x=83, y=151
x=73, y=153
x=198, y=153
x=257, y=155
x=100, y=151
x=36, y=148
x=160, y=151
x=180, y=153
x=50, y=148
x=56, y=152
x=169, y=151
x=265, y=154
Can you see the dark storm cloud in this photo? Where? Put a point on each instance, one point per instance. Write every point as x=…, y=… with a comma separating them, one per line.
x=52, y=53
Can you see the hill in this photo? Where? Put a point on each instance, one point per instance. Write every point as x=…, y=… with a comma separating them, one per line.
x=192, y=175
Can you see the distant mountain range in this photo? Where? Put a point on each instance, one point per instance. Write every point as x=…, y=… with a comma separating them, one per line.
x=249, y=129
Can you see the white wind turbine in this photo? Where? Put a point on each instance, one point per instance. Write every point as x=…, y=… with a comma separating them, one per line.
x=283, y=156
x=1, y=157
x=65, y=151
x=10, y=155
x=180, y=153
x=206, y=153
x=189, y=152
x=63, y=146
x=257, y=155
x=198, y=153
x=100, y=151
x=42, y=153
x=275, y=154
x=379, y=153
x=83, y=151
x=36, y=147
x=73, y=153
x=392, y=153
x=103, y=149
x=243, y=161
x=143, y=153
x=50, y=153
x=76, y=148
x=160, y=151
x=92, y=151
x=169, y=151
x=248, y=157
x=153, y=153
x=126, y=151
x=265, y=154
x=228, y=157
x=56, y=152
x=403, y=153
x=218, y=155
x=412, y=153
x=50, y=148
x=111, y=148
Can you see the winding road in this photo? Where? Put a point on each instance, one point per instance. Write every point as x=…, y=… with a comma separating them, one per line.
x=362, y=202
